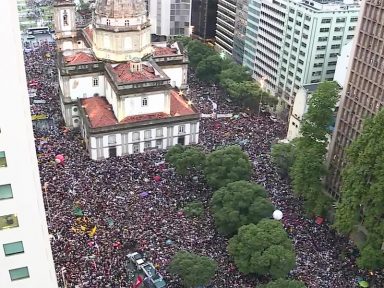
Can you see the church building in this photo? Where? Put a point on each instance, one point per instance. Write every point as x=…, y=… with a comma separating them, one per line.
x=123, y=92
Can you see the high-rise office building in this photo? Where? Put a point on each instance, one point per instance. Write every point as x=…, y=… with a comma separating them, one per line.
x=25, y=252
x=240, y=30
x=225, y=26
x=363, y=93
x=203, y=18
x=170, y=17
x=290, y=43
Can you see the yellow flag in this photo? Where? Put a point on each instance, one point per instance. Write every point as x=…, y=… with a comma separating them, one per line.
x=92, y=232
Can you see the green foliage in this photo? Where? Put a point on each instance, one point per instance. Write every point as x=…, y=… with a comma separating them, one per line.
x=234, y=72
x=283, y=156
x=209, y=68
x=283, y=283
x=227, y=165
x=362, y=197
x=309, y=167
x=183, y=158
x=194, y=270
x=198, y=51
x=184, y=40
x=239, y=203
x=194, y=209
x=264, y=249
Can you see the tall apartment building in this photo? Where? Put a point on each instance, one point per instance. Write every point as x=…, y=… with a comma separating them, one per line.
x=363, y=92
x=203, y=18
x=297, y=42
x=240, y=30
x=225, y=26
x=25, y=252
x=170, y=17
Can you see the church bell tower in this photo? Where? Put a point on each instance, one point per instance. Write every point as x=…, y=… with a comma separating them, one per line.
x=65, y=23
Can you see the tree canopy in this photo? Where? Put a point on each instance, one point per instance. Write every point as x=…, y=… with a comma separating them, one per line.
x=283, y=283
x=309, y=168
x=183, y=158
x=239, y=203
x=198, y=51
x=209, y=68
x=193, y=270
x=226, y=165
x=263, y=248
x=283, y=156
x=362, y=196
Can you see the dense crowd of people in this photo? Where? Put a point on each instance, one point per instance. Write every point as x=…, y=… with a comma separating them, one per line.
x=97, y=212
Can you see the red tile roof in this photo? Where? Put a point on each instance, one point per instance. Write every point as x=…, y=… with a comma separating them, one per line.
x=145, y=117
x=124, y=73
x=164, y=51
x=179, y=107
x=89, y=32
x=99, y=111
x=79, y=58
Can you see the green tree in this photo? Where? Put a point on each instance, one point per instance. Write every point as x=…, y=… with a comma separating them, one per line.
x=263, y=248
x=198, y=51
x=283, y=156
x=362, y=197
x=184, y=40
x=239, y=203
x=184, y=158
x=194, y=209
x=194, y=270
x=234, y=72
x=227, y=165
x=283, y=283
x=209, y=68
x=309, y=167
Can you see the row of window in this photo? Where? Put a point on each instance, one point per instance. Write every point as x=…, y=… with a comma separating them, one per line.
x=11, y=249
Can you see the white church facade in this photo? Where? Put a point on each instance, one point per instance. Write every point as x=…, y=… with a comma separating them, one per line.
x=123, y=92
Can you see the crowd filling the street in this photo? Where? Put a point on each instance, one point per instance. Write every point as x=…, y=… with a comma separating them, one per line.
x=97, y=211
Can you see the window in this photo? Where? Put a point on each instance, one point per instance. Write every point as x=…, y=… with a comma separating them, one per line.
x=112, y=139
x=340, y=20
x=336, y=46
x=19, y=273
x=323, y=39
x=159, y=144
x=3, y=160
x=317, y=73
x=108, y=22
x=144, y=101
x=147, y=145
x=126, y=23
x=332, y=63
x=147, y=134
x=13, y=248
x=65, y=18
x=136, y=148
x=330, y=71
x=95, y=81
x=317, y=65
x=338, y=29
x=324, y=29
x=181, y=128
x=326, y=20
x=321, y=47
x=349, y=36
x=6, y=192
x=333, y=54
x=136, y=136
x=351, y=28
x=306, y=27
x=354, y=19
x=337, y=37
x=159, y=132
x=8, y=221
x=319, y=56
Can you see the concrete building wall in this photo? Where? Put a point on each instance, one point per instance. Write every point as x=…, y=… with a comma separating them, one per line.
x=84, y=86
x=341, y=71
x=155, y=103
x=139, y=140
x=225, y=26
x=22, y=214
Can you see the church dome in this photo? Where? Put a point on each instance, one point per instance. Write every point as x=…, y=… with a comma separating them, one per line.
x=120, y=8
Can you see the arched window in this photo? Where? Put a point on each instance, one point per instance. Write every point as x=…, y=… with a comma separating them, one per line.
x=65, y=18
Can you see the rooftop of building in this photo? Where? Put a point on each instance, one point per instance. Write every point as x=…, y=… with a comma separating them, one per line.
x=134, y=71
x=80, y=57
x=100, y=113
x=330, y=5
